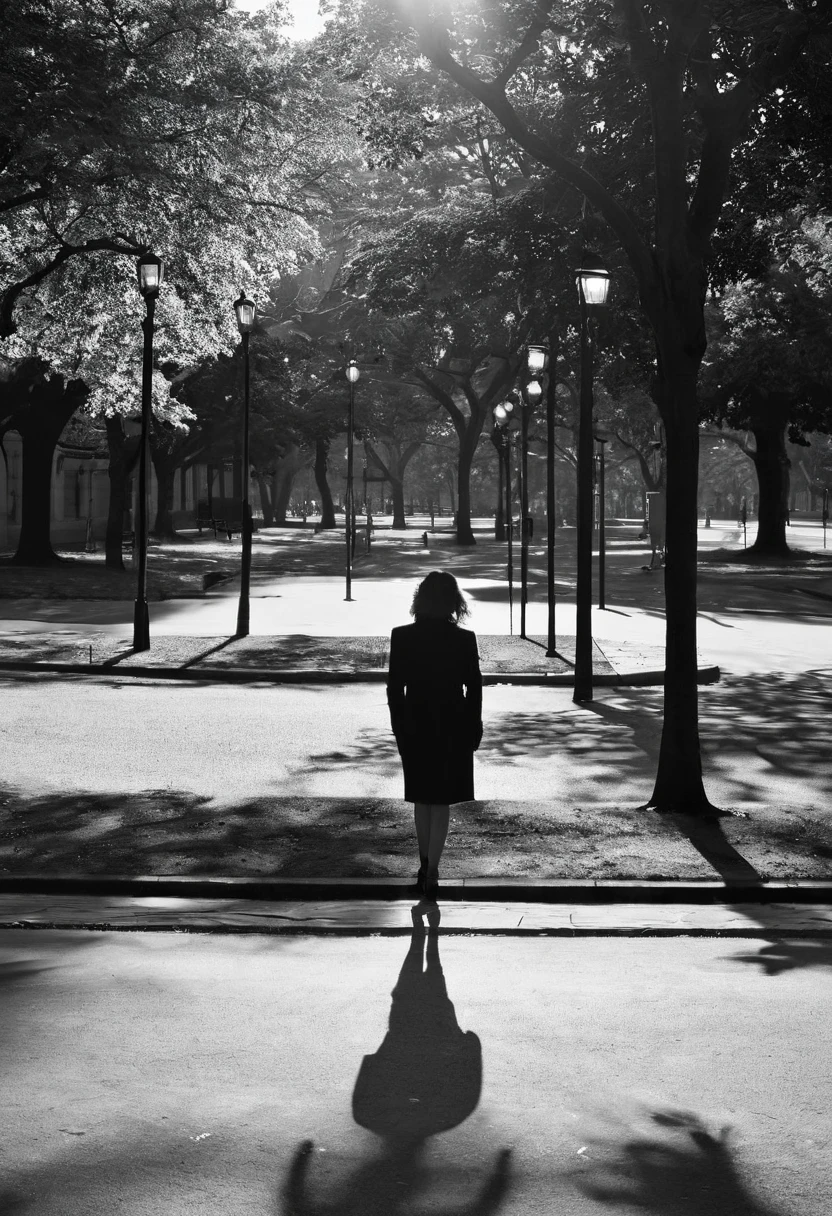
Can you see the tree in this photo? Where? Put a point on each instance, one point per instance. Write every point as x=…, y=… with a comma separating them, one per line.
x=38, y=405
x=769, y=370
x=181, y=124
x=394, y=421
x=612, y=97
x=436, y=288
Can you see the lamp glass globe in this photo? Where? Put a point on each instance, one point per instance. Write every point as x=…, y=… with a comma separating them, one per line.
x=536, y=359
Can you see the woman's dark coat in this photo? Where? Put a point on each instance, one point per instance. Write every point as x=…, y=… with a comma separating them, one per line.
x=434, y=690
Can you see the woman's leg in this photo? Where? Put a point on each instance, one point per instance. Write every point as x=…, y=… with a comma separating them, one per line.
x=421, y=815
x=440, y=817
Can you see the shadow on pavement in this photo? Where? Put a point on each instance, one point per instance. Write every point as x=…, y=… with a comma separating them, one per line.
x=423, y=1080
x=681, y=1170
x=755, y=731
x=426, y=1076
x=780, y=956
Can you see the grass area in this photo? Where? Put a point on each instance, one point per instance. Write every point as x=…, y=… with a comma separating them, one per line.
x=175, y=832
x=174, y=569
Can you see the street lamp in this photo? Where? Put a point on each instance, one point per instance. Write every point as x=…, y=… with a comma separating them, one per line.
x=499, y=518
x=593, y=289
x=150, y=271
x=601, y=438
x=246, y=311
x=352, y=378
x=531, y=396
x=538, y=360
x=505, y=424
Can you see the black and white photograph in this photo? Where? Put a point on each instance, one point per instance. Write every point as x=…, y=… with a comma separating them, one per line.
x=415, y=607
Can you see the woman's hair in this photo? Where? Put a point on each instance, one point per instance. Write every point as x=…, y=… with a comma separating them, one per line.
x=438, y=598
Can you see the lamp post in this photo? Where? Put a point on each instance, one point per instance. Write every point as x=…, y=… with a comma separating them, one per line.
x=601, y=438
x=531, y=397
x=246, y=311
x=150, y=270
x=352, y=378
x=499, y=517
x=504, y=424
x=537, y=360
x=593, y=288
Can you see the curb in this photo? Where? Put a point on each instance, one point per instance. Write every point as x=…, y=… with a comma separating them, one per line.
x=245, y=675
x=521, y=890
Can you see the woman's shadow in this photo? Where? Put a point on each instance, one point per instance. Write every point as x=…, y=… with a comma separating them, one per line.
x=425, y=1079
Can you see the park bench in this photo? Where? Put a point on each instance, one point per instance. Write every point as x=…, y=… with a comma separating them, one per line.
x=221, y=514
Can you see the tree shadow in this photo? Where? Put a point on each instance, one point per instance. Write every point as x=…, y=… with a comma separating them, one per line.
x=781, y=955
x=707, y=837
x=424, y=1079
x=686, y=1171
x=170, y=832
x=755, y=730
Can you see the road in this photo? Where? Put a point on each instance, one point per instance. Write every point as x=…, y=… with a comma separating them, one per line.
x=161, y=1072
x=765, y=740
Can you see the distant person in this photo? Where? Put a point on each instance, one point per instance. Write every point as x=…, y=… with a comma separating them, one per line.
x=434, y=690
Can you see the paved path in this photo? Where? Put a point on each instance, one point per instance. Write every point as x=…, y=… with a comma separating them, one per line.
x=743, y=628
x=515, y=917
x=189, y=1074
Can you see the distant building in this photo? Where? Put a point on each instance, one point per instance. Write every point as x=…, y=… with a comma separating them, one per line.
x=81, y=495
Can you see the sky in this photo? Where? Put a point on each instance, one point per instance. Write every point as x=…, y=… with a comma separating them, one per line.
x=306, y=22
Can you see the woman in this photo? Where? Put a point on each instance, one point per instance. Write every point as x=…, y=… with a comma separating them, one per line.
x=434, y=690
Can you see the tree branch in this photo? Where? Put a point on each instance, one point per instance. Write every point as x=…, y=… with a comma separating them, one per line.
x=445, y=400
x=528, y=44
x=22, y=199
x=725, y=117
x=742, y=444
x=434, y=41
x=12, y=293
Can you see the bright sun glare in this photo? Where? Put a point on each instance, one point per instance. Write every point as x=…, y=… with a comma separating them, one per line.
x=306, y=22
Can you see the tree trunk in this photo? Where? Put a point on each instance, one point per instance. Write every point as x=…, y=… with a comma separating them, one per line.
x=282, y=483
x=397, y=494
x=118, y=471
x=164, y=465
x=467, y=448
x=283, y=480
x=34, y=547
x=327, y=505
x=265, y=500
x=54, y=403
x=771, y=463
x=392, y=467
x=679, y=785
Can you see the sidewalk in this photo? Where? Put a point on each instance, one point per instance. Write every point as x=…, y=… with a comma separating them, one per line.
x=300, y=658
x=361, y=917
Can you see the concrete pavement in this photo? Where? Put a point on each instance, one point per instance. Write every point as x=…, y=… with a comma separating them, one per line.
x=271, y=1076
x=731, y=914
x=745, y=628
x=108, y=775
x=299, y=658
